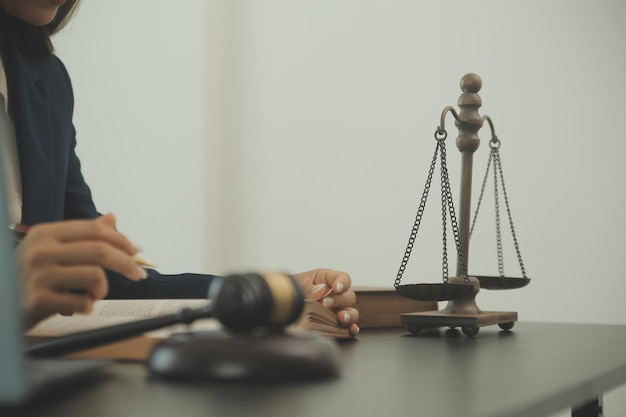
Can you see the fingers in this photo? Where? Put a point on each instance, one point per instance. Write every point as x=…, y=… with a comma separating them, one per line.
x=64, y=303
x=108, y=219
x=332, y=289
x=100, y=254
x=45, y=305
x=81, y=242
x=348, y=316
x=313, y=280
x=337, y=280
x=339, y=300
x=62, y=264
x=102, y=229
x=88, y=280
x=64, y=290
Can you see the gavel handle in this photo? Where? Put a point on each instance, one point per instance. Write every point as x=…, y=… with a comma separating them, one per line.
x=91, y=338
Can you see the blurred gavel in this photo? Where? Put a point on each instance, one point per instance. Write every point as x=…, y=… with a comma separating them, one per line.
x=241, y=302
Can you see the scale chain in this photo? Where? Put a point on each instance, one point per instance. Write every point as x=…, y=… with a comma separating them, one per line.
x=418, y=219
x=497, y=164
x=453, y=221
x=494, y=153
x=446, y=201
x=482, y=192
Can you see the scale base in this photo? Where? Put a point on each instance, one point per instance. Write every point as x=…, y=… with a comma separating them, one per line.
x=470, y=323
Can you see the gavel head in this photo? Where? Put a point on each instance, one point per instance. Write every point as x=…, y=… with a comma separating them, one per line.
x=244, y=302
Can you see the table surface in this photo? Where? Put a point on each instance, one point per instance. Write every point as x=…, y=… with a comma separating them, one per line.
x=534, y=370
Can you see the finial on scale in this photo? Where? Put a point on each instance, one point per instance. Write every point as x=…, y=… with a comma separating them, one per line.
x=471, y=83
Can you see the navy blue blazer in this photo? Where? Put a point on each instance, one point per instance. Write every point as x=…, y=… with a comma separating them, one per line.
x=41, y=107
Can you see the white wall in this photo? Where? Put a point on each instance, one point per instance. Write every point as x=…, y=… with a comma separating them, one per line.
x=290, y=134
x=142, y=74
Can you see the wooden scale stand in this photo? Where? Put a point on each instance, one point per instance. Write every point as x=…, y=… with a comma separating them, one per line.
x=460, y=291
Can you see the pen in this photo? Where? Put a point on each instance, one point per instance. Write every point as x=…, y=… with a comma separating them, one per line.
x=20, y=230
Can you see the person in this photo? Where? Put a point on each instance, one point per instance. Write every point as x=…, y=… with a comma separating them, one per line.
x=69, y=243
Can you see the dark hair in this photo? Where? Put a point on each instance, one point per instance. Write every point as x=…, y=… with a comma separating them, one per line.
x=63, y=16
x=34, y=40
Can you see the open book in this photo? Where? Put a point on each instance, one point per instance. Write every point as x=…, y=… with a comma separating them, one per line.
x=315, y=317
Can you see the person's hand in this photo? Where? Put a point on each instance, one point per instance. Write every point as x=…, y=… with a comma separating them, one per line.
x=61, y=265
x=332, y=289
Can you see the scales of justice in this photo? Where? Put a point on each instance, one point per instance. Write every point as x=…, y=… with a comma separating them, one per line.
x=460, y=291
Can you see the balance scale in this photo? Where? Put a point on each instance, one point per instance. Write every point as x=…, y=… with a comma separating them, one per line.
x=460, y=291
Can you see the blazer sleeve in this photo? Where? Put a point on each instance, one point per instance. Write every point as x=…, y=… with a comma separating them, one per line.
x=79, y=202
x=159, y=286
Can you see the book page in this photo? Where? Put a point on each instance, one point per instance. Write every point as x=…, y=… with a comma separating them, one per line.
x=321, y=320
x=107, y=313
x=112, y=312
x=143, y=308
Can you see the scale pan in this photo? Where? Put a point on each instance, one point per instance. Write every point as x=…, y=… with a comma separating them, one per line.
x=501, y=283
x=434, y=292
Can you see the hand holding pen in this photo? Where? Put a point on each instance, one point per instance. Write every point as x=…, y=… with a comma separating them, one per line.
x=19, y=232
x=61, y=265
